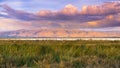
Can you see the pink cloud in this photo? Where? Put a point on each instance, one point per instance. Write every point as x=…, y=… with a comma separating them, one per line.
x=69, y=10
x=104, y=9
x=12, y=24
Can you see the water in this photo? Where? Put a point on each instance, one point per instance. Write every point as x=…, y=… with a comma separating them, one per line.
x=52, y=38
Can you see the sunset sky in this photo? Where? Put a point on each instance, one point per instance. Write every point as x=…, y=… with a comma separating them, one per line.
x=98, y=15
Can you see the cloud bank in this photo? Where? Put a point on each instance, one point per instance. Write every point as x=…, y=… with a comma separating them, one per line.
x=98, y=16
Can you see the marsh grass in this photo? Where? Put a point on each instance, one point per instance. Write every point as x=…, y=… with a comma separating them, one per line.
x=60, y=54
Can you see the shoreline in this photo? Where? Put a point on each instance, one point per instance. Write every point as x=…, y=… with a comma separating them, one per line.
x=62, y=38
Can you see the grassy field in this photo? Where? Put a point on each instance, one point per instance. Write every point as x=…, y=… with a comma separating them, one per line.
x=59, y=54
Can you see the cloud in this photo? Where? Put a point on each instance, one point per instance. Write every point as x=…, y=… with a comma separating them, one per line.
x=69, y=10
x=97, y=16
x=68, y=13
x=104, y=9
x=108, y=21
x=18, y=14
x=9, y=24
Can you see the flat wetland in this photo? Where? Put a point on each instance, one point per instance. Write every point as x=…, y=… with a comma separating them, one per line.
x=59, y=54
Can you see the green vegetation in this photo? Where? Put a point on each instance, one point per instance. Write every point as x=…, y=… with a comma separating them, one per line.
x=59, y=54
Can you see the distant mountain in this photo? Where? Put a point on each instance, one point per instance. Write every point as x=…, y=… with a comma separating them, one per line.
x=58, y=33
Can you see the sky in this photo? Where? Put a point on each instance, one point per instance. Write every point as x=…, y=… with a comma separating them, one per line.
x=98, y=15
